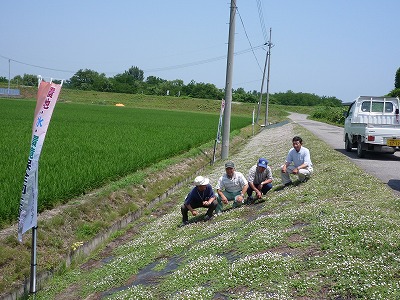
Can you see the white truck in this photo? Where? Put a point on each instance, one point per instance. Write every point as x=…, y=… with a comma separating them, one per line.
x=372, y=124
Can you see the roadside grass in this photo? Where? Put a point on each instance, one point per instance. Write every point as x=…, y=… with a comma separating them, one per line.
x=333, y=237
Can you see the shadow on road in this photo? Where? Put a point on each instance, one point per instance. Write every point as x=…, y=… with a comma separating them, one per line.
x=370, y=155
x=394, y=184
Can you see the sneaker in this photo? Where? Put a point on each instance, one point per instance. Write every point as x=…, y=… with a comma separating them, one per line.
x=206, y=218
x=288, y=184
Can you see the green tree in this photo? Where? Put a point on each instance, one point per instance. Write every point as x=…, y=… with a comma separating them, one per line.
x=3, y=79
x=17, y=80
x=397, y=79
x=202, y=90
x=136, y=73
x=154, y=80
x=394, y=93
x=29, y=80
x=85, y=79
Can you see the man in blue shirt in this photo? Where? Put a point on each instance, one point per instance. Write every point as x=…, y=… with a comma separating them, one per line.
x=298, y=162
x=202, y=195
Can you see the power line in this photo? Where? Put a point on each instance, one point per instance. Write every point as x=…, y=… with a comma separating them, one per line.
x=261, y=17
x=36, y=66
x=244, y=28
x=200, y=62
x=148, y=70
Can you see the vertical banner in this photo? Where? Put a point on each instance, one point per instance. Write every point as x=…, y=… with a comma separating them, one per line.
x=252, y=123
x=218, y=139
x=46, y=100
x=221, y=114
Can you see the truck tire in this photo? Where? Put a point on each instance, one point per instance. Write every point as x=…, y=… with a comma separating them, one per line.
x=347, y=144
x=360, y=151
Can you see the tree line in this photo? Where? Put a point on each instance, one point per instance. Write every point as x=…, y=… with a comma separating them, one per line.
x=133, y=81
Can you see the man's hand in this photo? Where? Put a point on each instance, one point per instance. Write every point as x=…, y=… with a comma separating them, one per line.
x=194, y=212
x=283, y=170
x=295, y=171
x=240, y=198
x=225, y=200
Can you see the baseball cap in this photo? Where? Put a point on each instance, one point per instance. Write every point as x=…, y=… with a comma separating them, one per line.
x=262, y=162
x=229, y=164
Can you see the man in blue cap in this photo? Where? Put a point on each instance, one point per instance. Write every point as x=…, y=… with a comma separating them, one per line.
x=260, y=180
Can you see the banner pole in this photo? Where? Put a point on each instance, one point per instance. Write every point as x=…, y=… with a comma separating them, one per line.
x=32, y=288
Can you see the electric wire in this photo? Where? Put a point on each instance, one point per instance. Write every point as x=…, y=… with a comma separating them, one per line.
x=147, y=70
x=36, y=66
x=261, y=17
x=248, y=39
x=185, y=65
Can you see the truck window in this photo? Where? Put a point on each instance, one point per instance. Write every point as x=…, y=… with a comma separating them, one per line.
x=365, y=106
x=377, y=106
x=388, y=107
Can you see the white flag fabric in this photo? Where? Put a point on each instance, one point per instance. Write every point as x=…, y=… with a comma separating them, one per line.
x=46, y=100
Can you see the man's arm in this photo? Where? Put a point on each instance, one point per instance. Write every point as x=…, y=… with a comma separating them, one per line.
x=193, y=211
x=210, y=195
x=244, y=189
x=222, y=196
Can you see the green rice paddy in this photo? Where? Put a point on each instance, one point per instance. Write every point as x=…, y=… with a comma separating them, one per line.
x=87, y=146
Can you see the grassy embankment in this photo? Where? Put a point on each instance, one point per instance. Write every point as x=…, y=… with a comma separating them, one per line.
x=86, y=215
x=333, y=237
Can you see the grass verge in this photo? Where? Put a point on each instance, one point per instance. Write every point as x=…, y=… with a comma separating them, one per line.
x=333, y=237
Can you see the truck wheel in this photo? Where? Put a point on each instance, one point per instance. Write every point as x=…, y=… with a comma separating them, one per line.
x=360, y=151
x=347, y=144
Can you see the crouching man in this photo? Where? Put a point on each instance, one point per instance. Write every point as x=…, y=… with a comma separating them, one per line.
x=202, y=195
x=260, y=180
x=231, y=186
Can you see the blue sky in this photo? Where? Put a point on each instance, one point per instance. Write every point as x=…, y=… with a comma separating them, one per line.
x=338, y=48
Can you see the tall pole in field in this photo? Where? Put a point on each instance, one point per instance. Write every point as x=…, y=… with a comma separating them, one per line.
x=269, y=68
x=262, y=86
x=228, y=84
x=9, y=76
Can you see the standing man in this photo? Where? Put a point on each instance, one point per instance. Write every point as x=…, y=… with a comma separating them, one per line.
x=298, y=162
x=231, y=187
x=260, y=180
x=202, y=195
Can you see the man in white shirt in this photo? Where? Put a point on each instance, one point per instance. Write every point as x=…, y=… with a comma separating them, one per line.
x=298, y=162
x=231, y=186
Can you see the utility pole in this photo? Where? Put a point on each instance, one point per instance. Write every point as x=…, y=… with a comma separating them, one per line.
x=9, y=76
x=262, y=86
x=269, y=68
x=228, y=84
